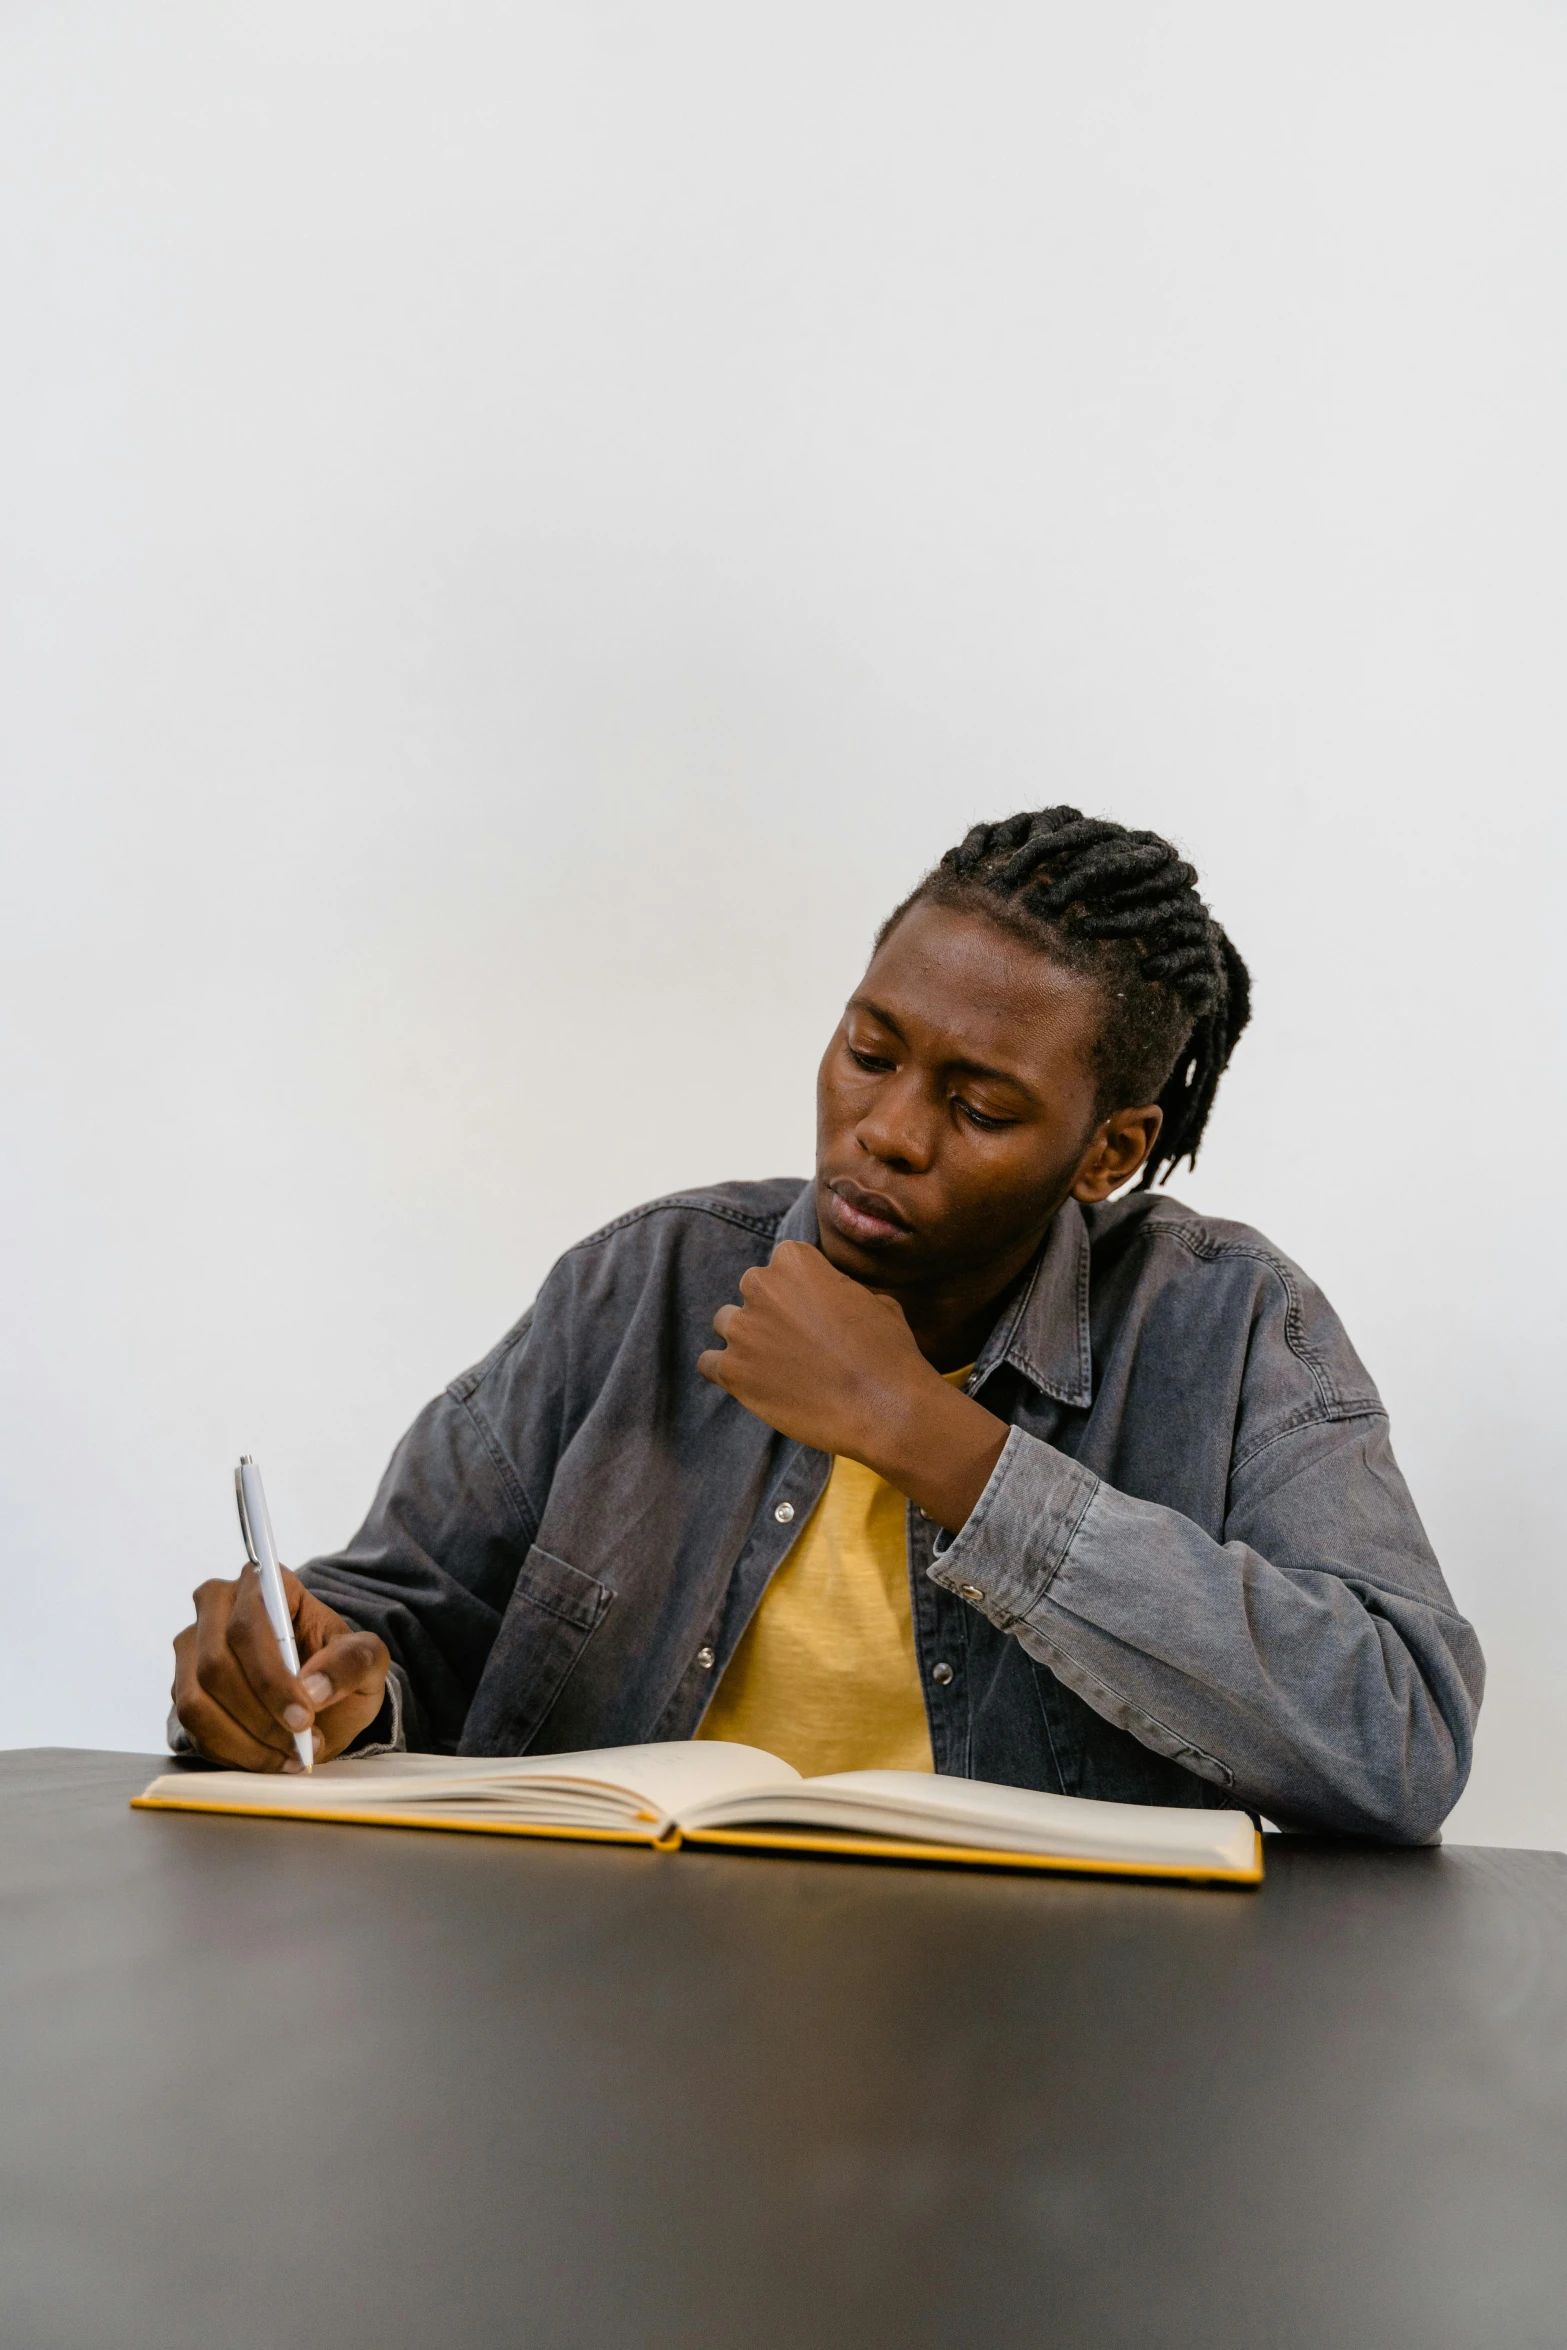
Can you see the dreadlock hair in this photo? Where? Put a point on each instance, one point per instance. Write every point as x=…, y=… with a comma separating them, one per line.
x=1119, y=908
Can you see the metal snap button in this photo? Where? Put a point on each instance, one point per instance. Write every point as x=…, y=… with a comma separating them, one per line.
x=941, y=1673
x=784, y=1512
x=704, y=1657
x=970, y=1591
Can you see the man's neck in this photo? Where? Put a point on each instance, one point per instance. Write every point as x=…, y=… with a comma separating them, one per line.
x=951, y=1322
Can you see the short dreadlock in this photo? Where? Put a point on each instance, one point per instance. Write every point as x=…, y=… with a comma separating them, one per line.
x=1120, y=908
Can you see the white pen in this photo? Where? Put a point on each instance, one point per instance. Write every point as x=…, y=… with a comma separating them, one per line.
x=255, y=1522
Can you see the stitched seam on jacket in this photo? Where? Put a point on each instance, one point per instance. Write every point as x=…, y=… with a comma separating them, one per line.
x=557, y=1603
x=470, y=1381
x=999, y=1477
x=1187, y=1745
x=1355, y=1407
x=1199, y=1243
x=682, y=1201
x=1089, y=1498
x=1368, y=1587
x=982, y=1508
x=1079, y=1394
x=516, y=1492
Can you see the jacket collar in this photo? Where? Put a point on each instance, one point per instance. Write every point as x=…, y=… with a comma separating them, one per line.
x=1044, y=1332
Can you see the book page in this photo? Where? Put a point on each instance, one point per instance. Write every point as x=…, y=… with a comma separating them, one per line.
x=920, y=1806
x=671, y=1775
x=584, y=1788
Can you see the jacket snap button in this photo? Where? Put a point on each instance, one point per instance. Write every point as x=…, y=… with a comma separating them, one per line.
x=941, y=1673
x=970, y=1591
x=704, y=1657
x=784, y=1512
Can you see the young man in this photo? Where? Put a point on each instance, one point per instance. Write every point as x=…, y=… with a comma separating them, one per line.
x=990, y=1471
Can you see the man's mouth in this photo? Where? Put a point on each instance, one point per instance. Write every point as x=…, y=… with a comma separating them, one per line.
x=864, y=1216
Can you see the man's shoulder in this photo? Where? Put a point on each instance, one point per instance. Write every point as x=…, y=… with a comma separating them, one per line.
x=675, y=1248
x=758, y=1208
x=1199, y=1272
x=1195, y=1241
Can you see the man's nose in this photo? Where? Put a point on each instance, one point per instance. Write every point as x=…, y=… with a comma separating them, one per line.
x=900, y=1126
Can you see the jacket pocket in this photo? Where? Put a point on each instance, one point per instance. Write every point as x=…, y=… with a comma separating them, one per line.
x=553, y=1613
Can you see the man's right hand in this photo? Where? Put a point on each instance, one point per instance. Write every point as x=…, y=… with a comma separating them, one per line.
x=237, y=1699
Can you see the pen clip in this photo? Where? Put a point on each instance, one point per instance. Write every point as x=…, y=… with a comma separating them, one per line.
x=244, y=1515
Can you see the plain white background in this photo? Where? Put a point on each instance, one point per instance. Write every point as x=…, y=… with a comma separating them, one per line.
x=526, y=527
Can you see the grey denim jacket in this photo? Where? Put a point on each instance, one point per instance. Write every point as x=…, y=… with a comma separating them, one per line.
x=1195, y=1577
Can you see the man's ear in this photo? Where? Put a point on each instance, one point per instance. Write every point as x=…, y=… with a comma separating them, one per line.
x=1117, y=1150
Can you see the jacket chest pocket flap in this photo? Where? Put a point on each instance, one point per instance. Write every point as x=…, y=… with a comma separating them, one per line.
x=553, y=1612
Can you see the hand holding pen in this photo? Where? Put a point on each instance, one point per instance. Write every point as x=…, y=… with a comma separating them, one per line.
x=241, y=1690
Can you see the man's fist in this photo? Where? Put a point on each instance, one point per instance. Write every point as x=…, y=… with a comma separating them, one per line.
x=237, y=1699
x=836, y=1366
x=816, y=1355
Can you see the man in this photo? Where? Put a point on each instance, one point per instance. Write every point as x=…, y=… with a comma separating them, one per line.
x=991, y=1471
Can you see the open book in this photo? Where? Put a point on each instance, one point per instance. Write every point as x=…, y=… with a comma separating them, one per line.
x=706, y=1793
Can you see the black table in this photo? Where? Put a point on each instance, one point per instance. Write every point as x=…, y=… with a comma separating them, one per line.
x=275, y=2085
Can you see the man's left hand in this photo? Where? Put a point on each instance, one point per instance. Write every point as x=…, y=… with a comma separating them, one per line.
x=835, y=1365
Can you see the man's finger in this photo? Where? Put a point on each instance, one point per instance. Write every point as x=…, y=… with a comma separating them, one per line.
x=724, y=1319
x=212, y=1729
x=253, y=1644
x=711, y=1366
x=353, y=1664
x=217, y=1671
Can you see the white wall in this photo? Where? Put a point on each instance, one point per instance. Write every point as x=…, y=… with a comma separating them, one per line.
x=526, y=527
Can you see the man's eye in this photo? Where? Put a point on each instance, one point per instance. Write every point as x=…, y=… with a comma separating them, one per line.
x=868, y=1060
x=980, y=1118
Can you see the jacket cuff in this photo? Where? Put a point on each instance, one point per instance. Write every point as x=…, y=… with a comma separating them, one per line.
x=386, y=1734
x=1011, y=1547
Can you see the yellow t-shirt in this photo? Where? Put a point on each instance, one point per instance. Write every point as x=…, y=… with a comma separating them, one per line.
x=826, y=1675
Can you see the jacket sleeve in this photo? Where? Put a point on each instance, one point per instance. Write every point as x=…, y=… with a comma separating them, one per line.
x=433, y=1565
x=1311, y=1661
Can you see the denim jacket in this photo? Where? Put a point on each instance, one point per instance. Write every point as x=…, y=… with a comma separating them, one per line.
x=1195, y=1576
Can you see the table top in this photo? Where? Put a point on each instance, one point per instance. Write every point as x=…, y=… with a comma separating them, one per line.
x=265, y=2083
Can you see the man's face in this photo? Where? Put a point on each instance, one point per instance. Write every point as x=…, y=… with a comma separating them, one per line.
x=955, y=1105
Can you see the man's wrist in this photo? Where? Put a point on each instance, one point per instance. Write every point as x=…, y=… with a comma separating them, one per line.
x=939, y=1447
